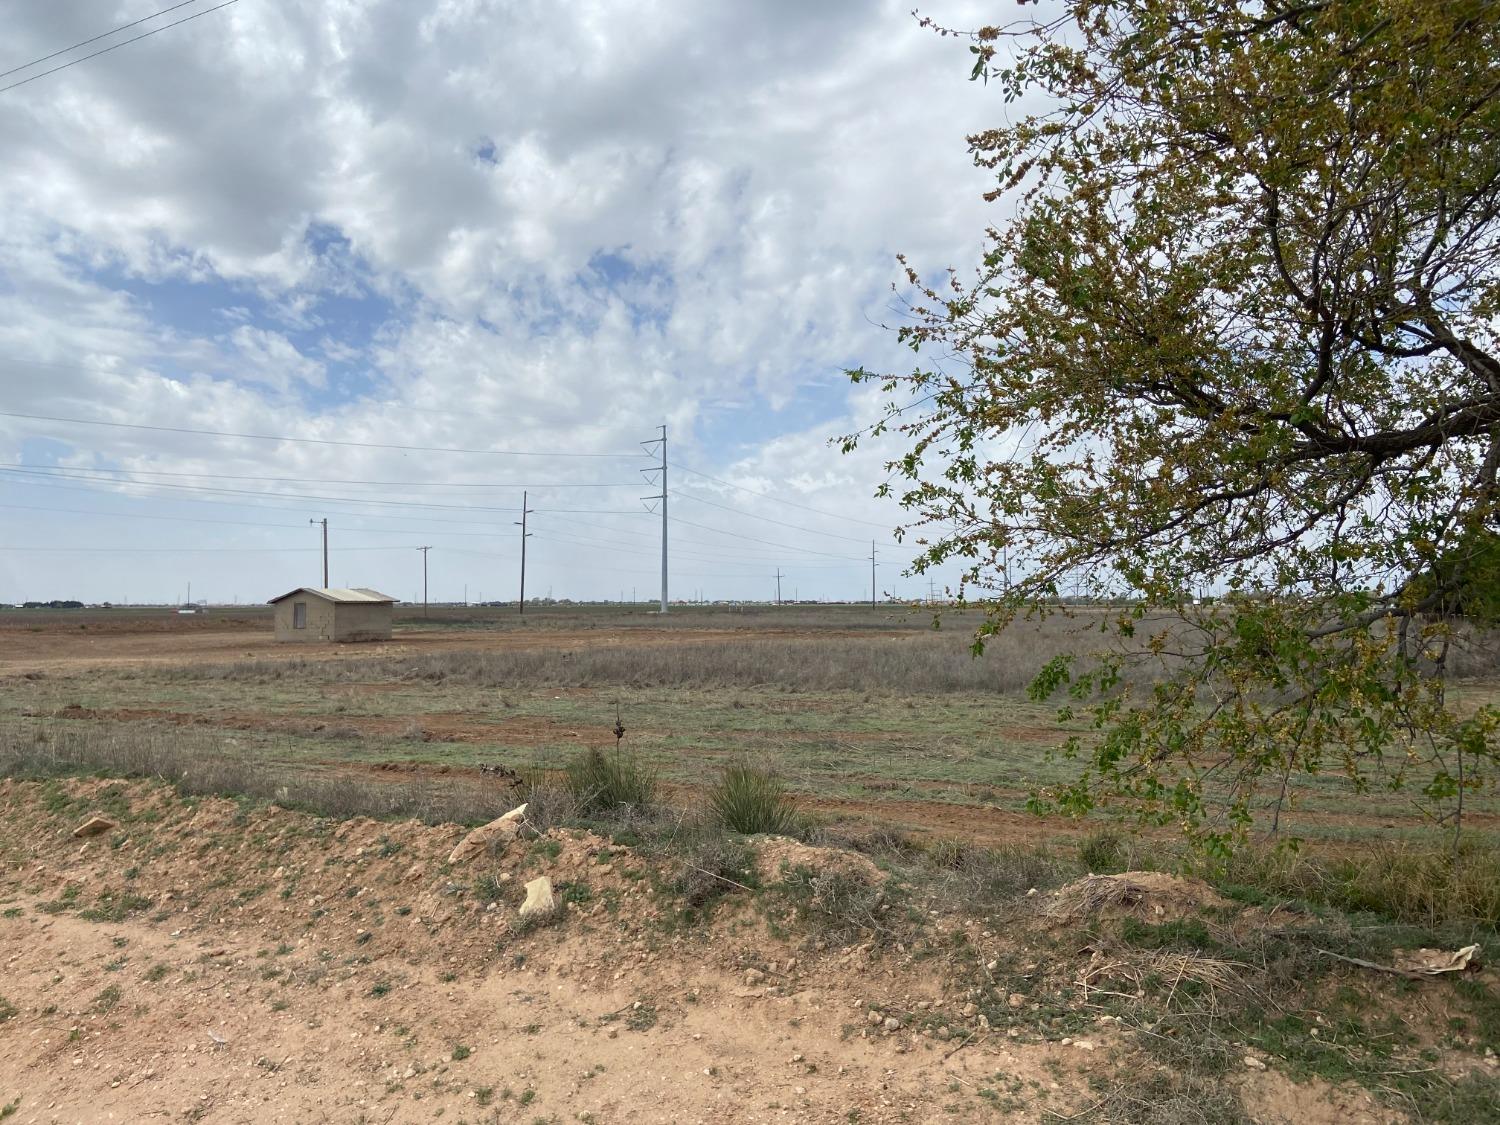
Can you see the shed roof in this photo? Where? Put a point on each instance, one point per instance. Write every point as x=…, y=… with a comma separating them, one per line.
x=358, y=596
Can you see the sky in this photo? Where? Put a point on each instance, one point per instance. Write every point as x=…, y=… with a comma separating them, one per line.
x=465, y=249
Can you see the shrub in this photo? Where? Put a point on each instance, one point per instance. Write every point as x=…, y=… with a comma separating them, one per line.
x=1102, y=852
x=1407, y=884
x=710, y=865
x=843, y=906
x=602, y=783
x=750, y=800
x=973, y=874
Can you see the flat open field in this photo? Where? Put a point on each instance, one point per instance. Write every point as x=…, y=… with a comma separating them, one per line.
x=276, y=921
x=872, y=714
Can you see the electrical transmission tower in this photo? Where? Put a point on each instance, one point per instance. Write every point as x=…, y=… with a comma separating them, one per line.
x=662, y=496
x=779, y=576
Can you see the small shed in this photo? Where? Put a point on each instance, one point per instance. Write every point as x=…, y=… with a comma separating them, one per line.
x=313, y=613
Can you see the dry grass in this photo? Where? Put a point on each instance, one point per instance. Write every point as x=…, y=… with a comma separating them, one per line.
x=199, y=764
x=931, y=662
x=1423, y=886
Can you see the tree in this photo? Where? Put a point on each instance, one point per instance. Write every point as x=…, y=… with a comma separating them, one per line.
x=1239, y=334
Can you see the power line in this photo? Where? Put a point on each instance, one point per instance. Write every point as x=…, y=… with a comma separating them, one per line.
x=768, y=519
x=220, y=550
x=778, y=499
x=753, y=539
x=695, y=551
x=303, y=480
x=307, y=441
x=113, y=47
x=46, y=473
x=95, y=39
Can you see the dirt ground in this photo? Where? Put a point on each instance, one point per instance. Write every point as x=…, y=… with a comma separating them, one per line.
x=205, y=962
x=56, y=648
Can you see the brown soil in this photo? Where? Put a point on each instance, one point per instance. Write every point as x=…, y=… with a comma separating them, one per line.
x=268, y=966
x=57, y=647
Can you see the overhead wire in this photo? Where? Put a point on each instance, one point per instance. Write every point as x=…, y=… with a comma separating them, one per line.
x=95, y=39
x=776, y=499
x=680, y=494
x=313, y=441
x=76, y=469
x=111, y=47
x=313, y=496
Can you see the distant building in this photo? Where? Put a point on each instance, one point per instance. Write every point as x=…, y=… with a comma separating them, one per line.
x=311, y=613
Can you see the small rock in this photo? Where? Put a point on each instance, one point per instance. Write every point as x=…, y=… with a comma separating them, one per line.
x=1254, y=1063
x=539, y=898
x=754, y=977
x=891, y=1024
x=497, y=833
x=1016, y=1000
x=94, y=826
x=874, y=1018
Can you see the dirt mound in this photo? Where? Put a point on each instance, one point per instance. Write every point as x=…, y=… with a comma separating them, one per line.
x=1150, y=896
x=221, y=961
x=778, y=854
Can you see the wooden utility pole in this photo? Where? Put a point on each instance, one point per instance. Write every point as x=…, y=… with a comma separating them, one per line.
x=778, y=585
x=525, y=535
x=872, y=574
x=424, y=551
x=324, y=522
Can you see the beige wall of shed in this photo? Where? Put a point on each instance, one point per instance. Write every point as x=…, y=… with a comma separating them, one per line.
x=319, y=620
x=362, y=622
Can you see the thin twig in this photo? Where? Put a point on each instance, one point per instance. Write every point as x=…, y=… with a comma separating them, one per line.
x=1109, y=1097
x=1407, y=973
x=721, y=878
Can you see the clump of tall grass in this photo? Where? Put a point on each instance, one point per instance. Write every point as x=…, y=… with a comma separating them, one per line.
x=1422, y=886
x=751, y=800
x=601, y=783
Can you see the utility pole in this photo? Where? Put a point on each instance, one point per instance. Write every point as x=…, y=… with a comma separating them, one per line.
x=662, y=496
x=324, y=522
x=872, y=574
x=424, y=551
x=525, y=535
x=778, y=585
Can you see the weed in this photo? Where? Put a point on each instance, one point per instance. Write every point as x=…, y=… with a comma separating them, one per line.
x=751, y=800
x=1101, y=852
x=380, y=988
x=642, y=1017
x=602, y=783
x=709, y=865
x=842, y=905
x=461, y=1052
x=157, y=972
x=105, y=1002
x=114, y=908
x=489, y=888
x=7, y=1010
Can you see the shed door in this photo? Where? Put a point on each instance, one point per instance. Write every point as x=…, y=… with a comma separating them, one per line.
x=299, y=615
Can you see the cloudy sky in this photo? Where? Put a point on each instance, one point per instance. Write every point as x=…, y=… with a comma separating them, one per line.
x=531, y=231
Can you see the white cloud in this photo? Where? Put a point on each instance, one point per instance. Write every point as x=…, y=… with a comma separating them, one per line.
x=683, y=211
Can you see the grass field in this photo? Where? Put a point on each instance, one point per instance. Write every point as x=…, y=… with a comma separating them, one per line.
x=891, y=741
x=869, y=714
